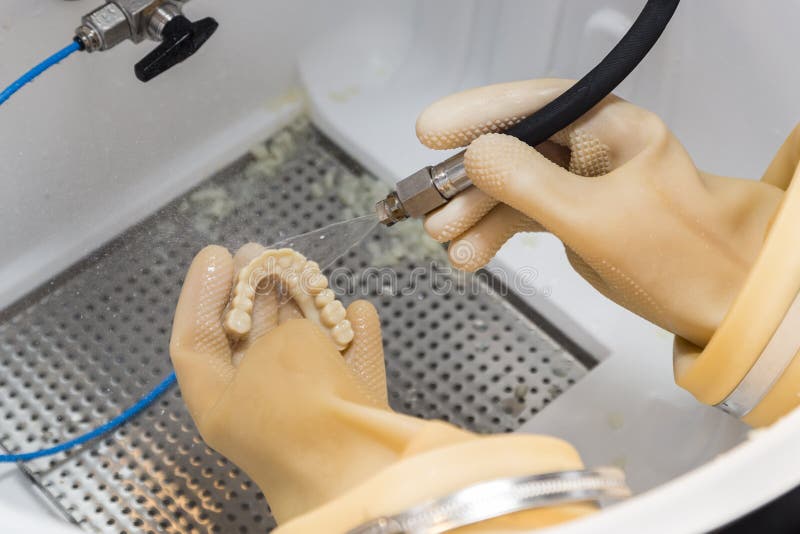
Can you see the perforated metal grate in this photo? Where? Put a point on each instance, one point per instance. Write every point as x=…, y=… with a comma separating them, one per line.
x=94, y=340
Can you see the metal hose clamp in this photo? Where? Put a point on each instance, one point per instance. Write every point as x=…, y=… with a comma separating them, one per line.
x=770, y=365
x=496, y=498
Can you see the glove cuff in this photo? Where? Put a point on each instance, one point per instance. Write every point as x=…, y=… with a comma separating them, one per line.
x=749, y=366
x=435, y=473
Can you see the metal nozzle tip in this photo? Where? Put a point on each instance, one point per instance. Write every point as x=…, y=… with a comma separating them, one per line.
x=383, y=213
x=390, y=210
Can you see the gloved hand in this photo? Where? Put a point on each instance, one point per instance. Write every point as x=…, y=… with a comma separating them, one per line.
x=639, y=222
x=312, y=426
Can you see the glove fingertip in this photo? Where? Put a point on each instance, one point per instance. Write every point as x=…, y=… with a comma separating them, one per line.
x=204, y=294
x=432, y=135
x=458, y=215
x=363, y=316
x=365, y=355
x=367, y=340
x=465, y=256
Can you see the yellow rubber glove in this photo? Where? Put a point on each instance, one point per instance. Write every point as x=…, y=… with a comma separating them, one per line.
x=639, y=221
x=312, y=426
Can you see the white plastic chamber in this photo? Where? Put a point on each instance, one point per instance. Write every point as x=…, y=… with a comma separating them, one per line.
x=88, y=151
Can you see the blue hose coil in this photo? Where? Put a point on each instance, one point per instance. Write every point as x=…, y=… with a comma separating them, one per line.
x=36, y=71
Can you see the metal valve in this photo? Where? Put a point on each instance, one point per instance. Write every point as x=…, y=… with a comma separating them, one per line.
x=137, y=20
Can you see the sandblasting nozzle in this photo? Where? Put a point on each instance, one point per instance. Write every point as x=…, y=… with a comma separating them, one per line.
x=424, y=191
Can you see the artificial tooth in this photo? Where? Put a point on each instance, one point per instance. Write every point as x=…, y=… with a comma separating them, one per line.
x=342, y=333
x=316, y=283
x=246, y=290
x=333, y=313
x=285, y=261
x=325, y=297
x=238, y=322
x=242, y=303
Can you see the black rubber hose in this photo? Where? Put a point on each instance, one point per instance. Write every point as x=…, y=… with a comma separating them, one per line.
x=602, y=79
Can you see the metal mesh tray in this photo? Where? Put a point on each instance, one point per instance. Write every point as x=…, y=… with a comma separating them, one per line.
x=92, y=341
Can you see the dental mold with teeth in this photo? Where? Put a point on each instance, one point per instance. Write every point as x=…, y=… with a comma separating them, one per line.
x=302, y=280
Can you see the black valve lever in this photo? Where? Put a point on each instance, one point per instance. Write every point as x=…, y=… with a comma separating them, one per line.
x=181, y=38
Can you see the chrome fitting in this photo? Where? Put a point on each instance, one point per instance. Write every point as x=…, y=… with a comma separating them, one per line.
x=160, y=18
x=390, y=210
x=120, y=20
x=424, y=191
x=88, y=38
x=418, y=194
x=450, y=176
x=414, y=197
x=104, y=28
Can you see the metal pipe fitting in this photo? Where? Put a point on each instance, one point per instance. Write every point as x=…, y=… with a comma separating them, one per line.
x=450, y=176
x=104, y=28
x=120, y=20
x=160, y=18
x=89, y=38
x=424, y=191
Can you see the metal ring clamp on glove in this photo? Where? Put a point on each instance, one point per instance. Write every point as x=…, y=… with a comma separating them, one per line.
x=776, y=357
x=501, y=497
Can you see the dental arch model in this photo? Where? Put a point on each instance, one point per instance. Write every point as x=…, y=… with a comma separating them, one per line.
x=305, y=284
